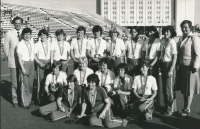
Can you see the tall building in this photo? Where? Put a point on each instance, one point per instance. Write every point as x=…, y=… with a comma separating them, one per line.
x=148, y=12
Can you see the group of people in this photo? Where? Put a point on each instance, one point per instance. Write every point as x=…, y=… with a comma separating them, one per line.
x=108, y=76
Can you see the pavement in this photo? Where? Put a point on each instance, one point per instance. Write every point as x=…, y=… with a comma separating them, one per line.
x=19, y=118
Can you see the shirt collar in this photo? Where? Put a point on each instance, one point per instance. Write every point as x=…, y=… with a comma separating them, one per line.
x=20, y=31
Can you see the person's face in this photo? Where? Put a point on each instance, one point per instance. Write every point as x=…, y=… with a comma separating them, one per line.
x=113, y=34
x=43, y=37
x=121, y=72
x=56, y=70
x=167, y=34
x=134, y=33
x=97, y=34
x=82, y=65
x=60, y=37
x=71, y=85
x=144, y=70
x=186, y=29
x=91, y=85
x=80, y=34
x=18, y=24
x=27, y=36
x=151, y=34
x=104, y=67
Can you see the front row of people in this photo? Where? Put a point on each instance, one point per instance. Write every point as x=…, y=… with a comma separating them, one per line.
x=92, y=96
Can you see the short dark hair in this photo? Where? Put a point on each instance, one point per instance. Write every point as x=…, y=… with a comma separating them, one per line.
x=57, y=64
x=136, y=28
x=187, y=22
x=93, y=78
x=105, y=60
x=171, y=29
x=153, y=28
x=96, y=29
x=81, y=28
x=17, y=18
x=72, y=78
x=60, y=31
x=26, y=30
x=43, y=31
x=145, y=62
x=123, y=66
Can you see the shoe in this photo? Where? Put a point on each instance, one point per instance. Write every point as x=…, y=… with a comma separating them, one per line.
x=168, y=113
x=26, y=107
x=124, y=123
x=15, y=105
x=184, y=112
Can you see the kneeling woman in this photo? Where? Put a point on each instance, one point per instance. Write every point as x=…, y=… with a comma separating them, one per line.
x=145, y=89
x=68, y=98
x=96, y=104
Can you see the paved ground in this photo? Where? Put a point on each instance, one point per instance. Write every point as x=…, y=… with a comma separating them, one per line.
x=19, y=118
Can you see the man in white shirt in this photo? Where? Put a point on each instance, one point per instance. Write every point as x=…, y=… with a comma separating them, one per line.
x=60, y=50
x=25, y=52
x=96, y=48
x=117, y=49
x=11, y=40
x=78, y=46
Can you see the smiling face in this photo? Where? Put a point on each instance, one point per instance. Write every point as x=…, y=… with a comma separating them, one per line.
x=134, y=33
x=97, y=34
x=186, y=29
x=121, y=72
x=144, y=70
x=27, y=36
x=43, y=37
x=56, y=70
x=167, y=34
x=60, y=37
x=80, y=34
x=82, y=65
x=71, y=85
x=91, y=85
x=103, y=67
x=18, y=24
x=113, y=35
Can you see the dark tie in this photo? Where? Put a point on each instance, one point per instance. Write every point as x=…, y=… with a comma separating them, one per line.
x=18, y=36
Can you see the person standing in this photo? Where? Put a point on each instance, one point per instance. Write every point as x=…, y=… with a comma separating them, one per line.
x=78, y=46
x=189, y=62
x=12, y=38
x=96, y=48
x=25, y=52
x=42, y=58
x=168, y=59
x=60, y=50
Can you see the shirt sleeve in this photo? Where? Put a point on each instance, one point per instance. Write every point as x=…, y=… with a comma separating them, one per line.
x=19, y=48
x=129, y=84
x=122, y=46
x=158, y=46
x=135, y=85
x=103, y=94
x=154, y=84
x=65, y=78
x=68, y=47
x=36, y=50
x=72, y=44
x=6, y=44
x=116, y=82
x=88, y=45
x=60, y=92
x=174, y=48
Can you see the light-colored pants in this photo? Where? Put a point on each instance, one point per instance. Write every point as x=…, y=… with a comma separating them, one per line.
x=14, y=74
x=27, y=83
x=53, y=109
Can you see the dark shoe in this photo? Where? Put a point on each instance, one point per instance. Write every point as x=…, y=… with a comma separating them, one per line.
x=26, y=107
x=184, y=112
x=15, y=105
x=31, y=103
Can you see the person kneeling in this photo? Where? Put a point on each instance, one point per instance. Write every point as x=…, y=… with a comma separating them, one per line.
x=96, y=104
x=69, y=98
x=145, y=89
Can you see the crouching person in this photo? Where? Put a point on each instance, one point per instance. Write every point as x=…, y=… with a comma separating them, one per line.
x=145, y=89
x=69, y=98
x=96, y=104
x=55, y=80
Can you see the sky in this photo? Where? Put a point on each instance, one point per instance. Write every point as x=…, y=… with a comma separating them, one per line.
x=57, y=4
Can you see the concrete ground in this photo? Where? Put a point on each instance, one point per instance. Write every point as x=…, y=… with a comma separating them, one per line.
x=19, y=118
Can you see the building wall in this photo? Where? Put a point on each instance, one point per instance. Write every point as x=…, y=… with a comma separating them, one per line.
x=138, y=12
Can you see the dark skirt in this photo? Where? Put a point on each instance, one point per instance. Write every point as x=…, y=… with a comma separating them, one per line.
x=187, y=81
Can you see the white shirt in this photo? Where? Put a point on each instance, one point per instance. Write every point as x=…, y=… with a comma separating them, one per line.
x=26, y=51
x=105, y=79
x=81, y=76
x=154, y=48
x=170, y=49
x=94, y=46
x=150, y=85
x=51, y=79
x=40, y=50
x=117, y=48
x=79, y=49
x=134, y=49
x=55, y=48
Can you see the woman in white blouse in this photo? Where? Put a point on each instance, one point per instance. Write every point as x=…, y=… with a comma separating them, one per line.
x=82, y=72
x=145, y=90
x=42, y=58
x=168, y=59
